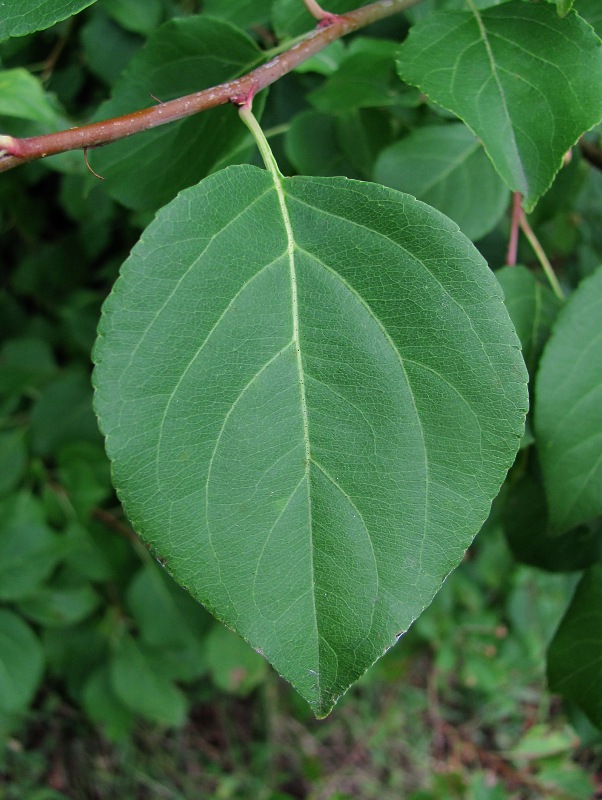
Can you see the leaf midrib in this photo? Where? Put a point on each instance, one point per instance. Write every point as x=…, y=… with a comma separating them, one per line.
x=291, y=245
x=492, y=62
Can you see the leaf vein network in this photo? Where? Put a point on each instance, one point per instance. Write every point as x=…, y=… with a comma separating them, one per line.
x=184, y=275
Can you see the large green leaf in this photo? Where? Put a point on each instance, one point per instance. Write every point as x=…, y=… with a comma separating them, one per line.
x=441, y=165
x=576, y=651
x=183, y=56
x=19, y=17
x=568, y=409
x=426, y=7
x=311, y=391
x=527, y=82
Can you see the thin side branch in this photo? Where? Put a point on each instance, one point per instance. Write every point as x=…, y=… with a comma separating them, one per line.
x=514, y=225
x=14, y=152
x=541, y=256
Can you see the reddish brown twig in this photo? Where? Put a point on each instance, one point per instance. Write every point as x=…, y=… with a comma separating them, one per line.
x=15, y=151
x=514, y=227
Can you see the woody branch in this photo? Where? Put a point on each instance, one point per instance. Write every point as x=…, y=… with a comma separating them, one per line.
x=14, y=151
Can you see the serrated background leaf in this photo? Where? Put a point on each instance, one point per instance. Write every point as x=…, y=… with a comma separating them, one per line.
x=576, y=651
x=310, y=444
x=568, y=409
x=519, y=76
x=446, y=167
x=181, y=57
x=591, y=10
x=20, y=17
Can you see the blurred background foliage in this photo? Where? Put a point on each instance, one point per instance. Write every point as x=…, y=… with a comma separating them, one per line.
x=113, y=681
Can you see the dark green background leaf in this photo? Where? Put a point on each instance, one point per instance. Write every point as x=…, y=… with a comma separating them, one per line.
x=234, y=666
x=244, y=13
x=313, y=148
x=568, y=409
x=60, y=605
x=104, y=707
x=28, y=553
x=21, y=663
x=13, y=459
x=138, y=680
x=531, y=539
x=63, y=413
x=139, y=16
x=365, y=78
x=575, y=653
x=532, y=307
